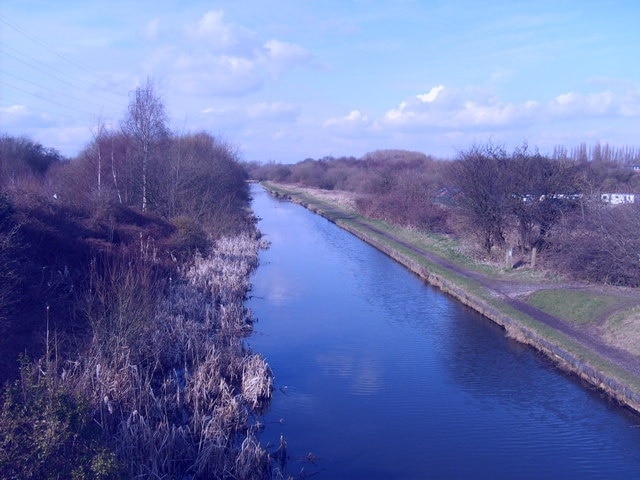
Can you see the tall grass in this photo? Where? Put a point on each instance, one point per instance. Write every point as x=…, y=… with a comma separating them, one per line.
x=173, y=386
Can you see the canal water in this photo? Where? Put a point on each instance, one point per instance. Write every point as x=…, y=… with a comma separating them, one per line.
x=380, y=376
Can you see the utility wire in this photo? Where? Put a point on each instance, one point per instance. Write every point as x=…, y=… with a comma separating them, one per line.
x=40, y=110
x=51, y=49
x=66, y=82
x=45, y=98
x=52, y=90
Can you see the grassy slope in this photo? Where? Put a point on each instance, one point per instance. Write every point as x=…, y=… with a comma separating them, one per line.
x=613, y=317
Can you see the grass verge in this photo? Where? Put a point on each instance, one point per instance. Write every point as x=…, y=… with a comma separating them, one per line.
x=575, y=305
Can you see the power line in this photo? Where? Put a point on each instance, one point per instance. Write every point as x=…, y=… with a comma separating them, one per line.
x=66, y=82
x=45, y=98
x=42, y=110
x=52, y=90
x=54, y=51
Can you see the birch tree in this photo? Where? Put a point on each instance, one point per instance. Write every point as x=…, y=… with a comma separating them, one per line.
x=146, y=127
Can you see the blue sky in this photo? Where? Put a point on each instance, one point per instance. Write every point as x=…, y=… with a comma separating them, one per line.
x=284, y=80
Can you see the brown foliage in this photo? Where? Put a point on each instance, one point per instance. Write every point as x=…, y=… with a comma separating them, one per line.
x=603, y=247
x=395, y=185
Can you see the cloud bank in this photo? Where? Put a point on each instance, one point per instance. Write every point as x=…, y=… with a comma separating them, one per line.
x=220, y=58
x=474, y=108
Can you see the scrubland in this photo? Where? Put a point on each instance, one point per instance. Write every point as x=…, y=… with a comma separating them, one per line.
x=123, y=276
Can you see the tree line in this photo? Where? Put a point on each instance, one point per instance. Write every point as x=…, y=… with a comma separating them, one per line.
x=544, y=209
x=624, y=155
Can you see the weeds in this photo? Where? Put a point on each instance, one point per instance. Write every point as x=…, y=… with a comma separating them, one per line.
x=177, y=387
x=46, y=430
x=166, y=378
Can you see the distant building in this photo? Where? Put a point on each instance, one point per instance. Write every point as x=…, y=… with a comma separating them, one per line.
x=617, y=198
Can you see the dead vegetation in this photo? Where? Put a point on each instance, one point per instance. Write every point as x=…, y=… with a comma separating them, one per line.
x=523, y=207
x=152, y=372
x=165, y=387
x=622, y=330
x=173, y=386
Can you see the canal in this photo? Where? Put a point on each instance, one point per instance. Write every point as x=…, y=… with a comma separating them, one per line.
x=380, y=376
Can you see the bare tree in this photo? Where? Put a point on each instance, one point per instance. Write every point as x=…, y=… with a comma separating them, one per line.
x=603, y=247
x=478, y=174
x=539, y=190
x=146, y=126
x=98, y=133
x=207, y=182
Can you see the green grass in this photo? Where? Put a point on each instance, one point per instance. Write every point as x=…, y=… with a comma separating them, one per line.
x=574, y=305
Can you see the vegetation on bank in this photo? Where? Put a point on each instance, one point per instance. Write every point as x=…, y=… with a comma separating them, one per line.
x=544, y=210
x=123, y=275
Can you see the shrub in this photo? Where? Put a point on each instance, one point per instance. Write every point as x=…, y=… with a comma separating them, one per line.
x=602, y=248
x=188, y=238
x=9, y=268
x=47, y=433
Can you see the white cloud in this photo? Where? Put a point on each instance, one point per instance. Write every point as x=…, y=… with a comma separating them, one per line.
x=217, y=35
x=445, y=117
x=472, y=108
x=282, y=56
x=603, y=103
x=222, y=74
x=14, y=110
x=249, y=119
x=217, y=57
x=214, y=111
x=431, y=95
x=20, y=116
x=354, y=119
x=48, y=129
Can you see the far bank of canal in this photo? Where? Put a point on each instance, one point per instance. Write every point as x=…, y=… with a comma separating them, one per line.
x=381, y=376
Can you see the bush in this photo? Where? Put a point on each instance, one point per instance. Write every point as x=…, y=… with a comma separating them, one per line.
x=47, y=433
x=603, y=248
x=188, y=238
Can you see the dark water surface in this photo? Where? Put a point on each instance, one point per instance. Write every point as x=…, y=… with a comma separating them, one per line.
x=380, y=376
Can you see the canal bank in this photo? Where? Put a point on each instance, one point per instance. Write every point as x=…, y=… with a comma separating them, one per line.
x=577, y=351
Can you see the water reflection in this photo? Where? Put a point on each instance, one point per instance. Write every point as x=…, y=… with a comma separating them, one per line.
x=364, y=372
x=282, y=287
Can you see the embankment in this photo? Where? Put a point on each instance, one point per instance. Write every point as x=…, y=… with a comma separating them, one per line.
x=595, y=363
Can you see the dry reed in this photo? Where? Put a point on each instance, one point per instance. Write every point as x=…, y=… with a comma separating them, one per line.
x=172, y=383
